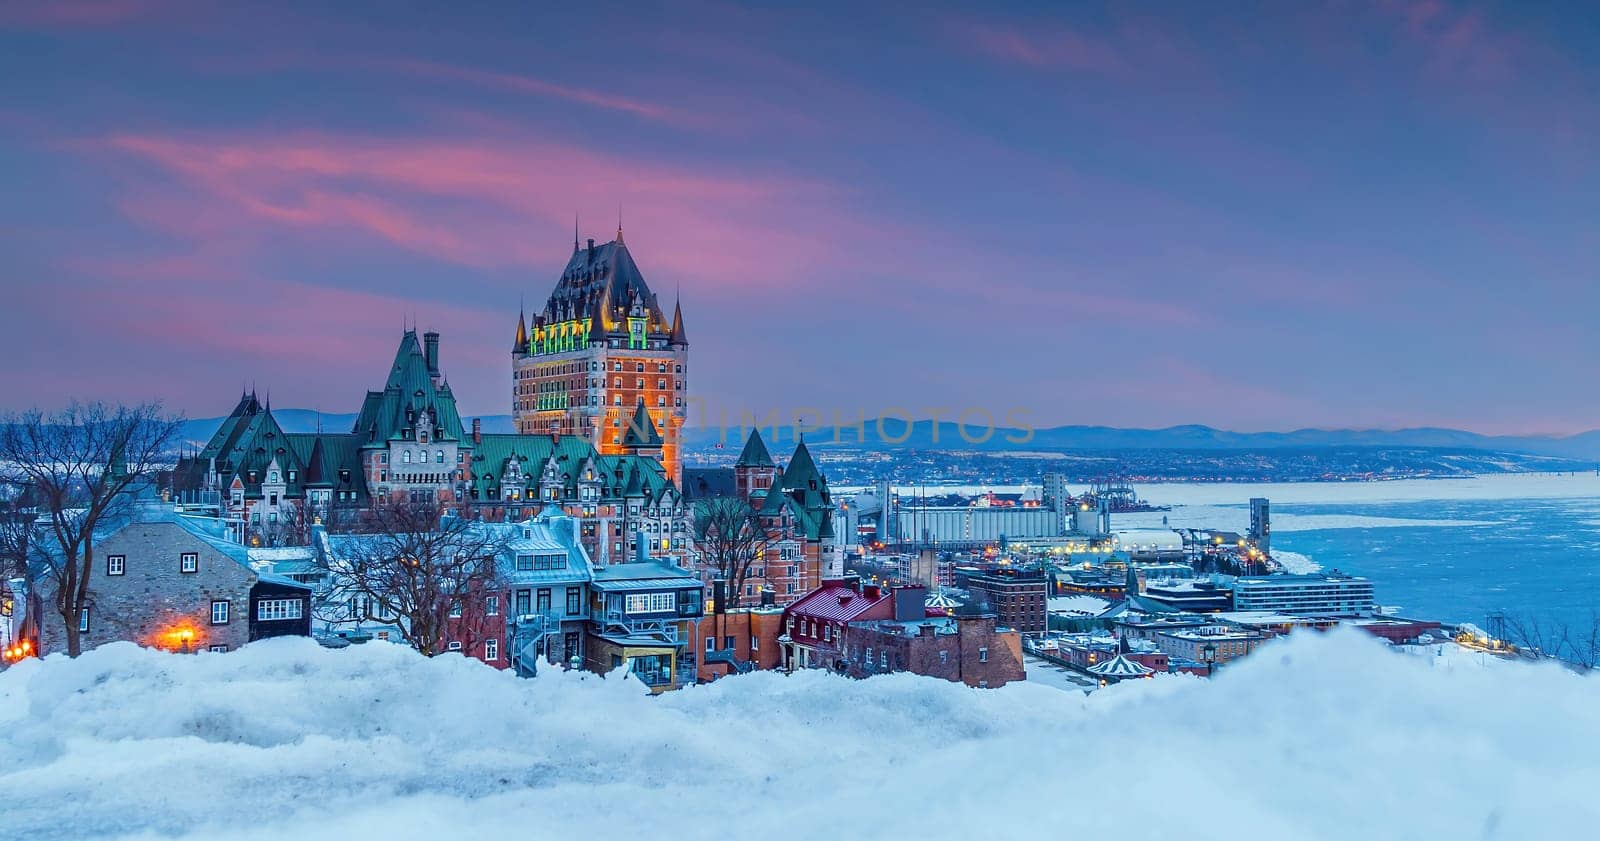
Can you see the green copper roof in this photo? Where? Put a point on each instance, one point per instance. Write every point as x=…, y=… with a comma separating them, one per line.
x=642, y=431
x=391, y=414
x=755, y=452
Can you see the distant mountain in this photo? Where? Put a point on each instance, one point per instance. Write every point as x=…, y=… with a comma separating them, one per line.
x=200, y=430
x=922, y=435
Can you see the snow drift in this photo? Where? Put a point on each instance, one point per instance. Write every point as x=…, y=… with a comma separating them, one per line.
x=1321, y=736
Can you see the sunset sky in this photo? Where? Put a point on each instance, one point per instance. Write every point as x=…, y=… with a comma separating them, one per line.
x=1254, y=216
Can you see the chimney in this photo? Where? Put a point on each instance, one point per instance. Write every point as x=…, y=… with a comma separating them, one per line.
x=430, y=351
x=871, y=591
x=925, y=629
x=719, y=595
x=477, y=431
x=591, y=249
x=910, y=604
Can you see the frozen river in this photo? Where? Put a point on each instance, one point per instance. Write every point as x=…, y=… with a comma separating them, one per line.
x=1452, y=549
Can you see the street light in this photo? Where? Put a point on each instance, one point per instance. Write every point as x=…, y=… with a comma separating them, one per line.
x=1210, y=653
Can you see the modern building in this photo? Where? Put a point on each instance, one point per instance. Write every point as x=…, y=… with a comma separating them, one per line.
x=955, y=526
x=1261, y=524
x=1191, y=595
x=1322, y=594
x=602, y=346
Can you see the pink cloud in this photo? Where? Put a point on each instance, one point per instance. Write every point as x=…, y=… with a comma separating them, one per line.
x=1046, y=48
x=538, y=87
x=472, y=201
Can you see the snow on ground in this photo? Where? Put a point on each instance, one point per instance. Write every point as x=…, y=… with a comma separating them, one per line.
x=1321, y=736
x=1295, y=563
x=1045, y=673
x=1080, y=603
x=1507, y=486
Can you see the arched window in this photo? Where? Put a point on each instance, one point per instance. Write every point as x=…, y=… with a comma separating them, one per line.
x=438, y=456
x=405, y=456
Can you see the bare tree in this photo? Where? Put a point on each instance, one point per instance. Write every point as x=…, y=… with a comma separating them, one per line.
x=296, y=523
x=77, y=464
x=730, y=538
x=1542, y=638
x=427, y=571
x=19, y=546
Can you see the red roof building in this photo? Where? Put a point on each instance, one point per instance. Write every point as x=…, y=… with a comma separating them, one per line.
x=813, y=627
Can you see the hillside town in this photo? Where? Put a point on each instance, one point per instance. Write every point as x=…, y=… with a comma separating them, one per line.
x=583, y=541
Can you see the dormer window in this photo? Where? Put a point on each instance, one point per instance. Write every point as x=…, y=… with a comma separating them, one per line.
x=291, y=475
x=272, y=477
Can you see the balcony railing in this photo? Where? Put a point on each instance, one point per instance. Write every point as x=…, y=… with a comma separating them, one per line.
x=664, y=628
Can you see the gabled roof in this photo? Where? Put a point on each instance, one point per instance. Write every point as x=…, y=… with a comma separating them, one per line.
x=642, y=432
x=804, y=481
x=571, y=453
x=838, y=602
x=387, y=415
x=755, y=452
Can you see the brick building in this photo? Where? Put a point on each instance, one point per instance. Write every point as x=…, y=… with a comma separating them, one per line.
x=795, y=507
x=739, y=641
x=601, y=346
x=1017, y=596
x=965, y=648
x=862, y=630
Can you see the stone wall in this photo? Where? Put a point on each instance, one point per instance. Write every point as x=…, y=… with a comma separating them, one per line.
x=154, y=601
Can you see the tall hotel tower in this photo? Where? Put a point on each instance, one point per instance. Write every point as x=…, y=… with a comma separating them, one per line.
x=601, y=349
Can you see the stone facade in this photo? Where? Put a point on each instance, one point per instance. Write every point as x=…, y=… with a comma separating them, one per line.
x=154, y=601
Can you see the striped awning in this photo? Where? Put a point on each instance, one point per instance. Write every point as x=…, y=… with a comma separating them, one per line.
x=1120, y=666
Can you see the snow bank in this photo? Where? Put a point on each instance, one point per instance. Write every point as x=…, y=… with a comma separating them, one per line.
x=1321, y=736
x=1295, y=563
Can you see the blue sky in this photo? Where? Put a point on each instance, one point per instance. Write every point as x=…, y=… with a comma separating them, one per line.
x=1256, y=216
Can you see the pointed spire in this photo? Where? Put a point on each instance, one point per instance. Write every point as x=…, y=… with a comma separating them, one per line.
x=680, y=337
x=642, y=431
x=520, y=344
x=574, y=233
x=755, y=452
x=597, y=315
x=619, y=223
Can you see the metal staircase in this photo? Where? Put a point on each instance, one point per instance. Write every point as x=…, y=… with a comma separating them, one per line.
x=530, y=641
